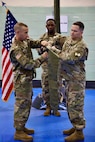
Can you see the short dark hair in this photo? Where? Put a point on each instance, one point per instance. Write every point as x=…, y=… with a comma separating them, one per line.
x=80, y=24
x=18, y=25
x=51, y=19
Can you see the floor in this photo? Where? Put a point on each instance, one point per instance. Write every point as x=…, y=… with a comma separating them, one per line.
x=47, y=129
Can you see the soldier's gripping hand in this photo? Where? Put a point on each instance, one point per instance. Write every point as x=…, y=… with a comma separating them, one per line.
x=54, y=49
x=45, y=55
x=44, y=43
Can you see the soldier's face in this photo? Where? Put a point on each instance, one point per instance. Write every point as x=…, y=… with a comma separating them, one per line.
x=23, y=33
x=76, y=32
x=50, y=25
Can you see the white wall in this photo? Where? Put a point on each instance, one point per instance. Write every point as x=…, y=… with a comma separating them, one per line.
x=34, y=12
x=49, y=3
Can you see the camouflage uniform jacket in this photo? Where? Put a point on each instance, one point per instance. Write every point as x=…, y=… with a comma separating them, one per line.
x=22, y=58
x=73, y=56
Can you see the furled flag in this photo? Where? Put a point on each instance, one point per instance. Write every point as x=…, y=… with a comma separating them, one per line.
x=7, y=76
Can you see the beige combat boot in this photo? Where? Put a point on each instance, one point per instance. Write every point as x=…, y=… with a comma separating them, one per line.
x=21, y=135
x=69, y=132
x=48, y=111
x=57, y=113
x=28, y=131
x=76, y=136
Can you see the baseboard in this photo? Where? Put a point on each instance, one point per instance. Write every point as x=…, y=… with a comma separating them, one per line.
x=37, y=84
x=90, y=84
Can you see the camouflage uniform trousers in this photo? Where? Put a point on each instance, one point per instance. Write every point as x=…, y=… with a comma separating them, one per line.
x=23, y=102
x=45, y=83
x=75, y=103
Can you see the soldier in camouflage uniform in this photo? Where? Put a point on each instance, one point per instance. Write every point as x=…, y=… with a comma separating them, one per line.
x=73, y=56
x=49, y=70
x=23, y=71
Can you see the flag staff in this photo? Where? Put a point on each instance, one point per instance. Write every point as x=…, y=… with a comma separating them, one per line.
x=7, y=75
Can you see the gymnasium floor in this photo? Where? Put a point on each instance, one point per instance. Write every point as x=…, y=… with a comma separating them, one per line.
x=47, y=129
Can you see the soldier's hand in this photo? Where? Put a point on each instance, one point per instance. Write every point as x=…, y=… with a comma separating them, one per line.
x=44, y=43
x=53, y=48
x=45, y=55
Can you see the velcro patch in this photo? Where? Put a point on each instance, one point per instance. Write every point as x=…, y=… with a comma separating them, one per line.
x=18, y=56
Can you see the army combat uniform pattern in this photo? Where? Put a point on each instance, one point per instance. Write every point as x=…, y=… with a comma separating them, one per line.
x=73, y=56
x=23, y=71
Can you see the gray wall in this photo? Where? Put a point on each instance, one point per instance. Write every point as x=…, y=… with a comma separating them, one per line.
x=35, y=18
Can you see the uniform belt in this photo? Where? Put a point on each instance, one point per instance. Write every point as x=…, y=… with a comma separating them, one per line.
x=27, y=72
